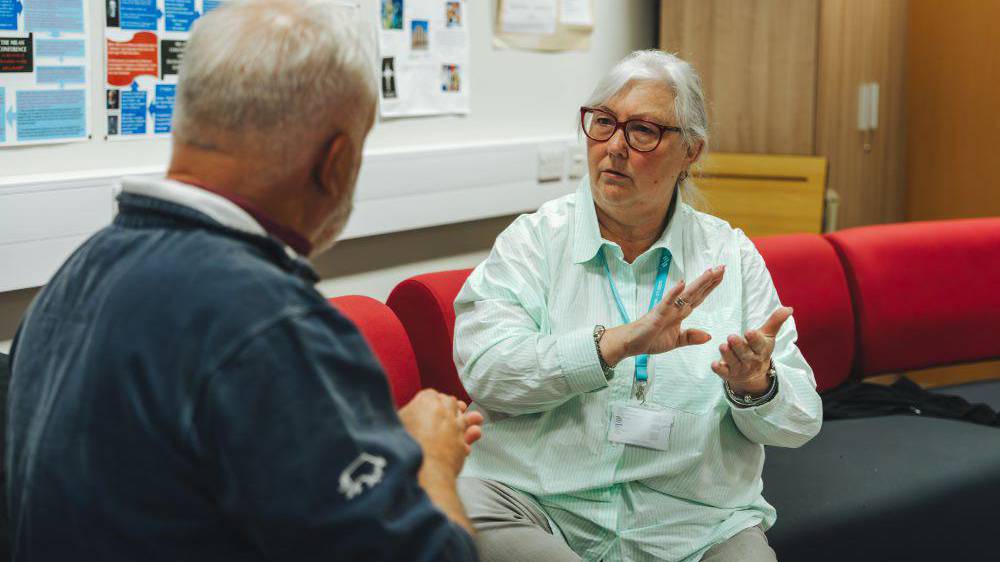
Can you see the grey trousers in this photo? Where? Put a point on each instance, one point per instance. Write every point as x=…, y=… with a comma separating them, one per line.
x=511, y=527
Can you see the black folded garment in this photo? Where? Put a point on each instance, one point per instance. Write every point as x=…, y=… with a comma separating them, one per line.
x=864, y=400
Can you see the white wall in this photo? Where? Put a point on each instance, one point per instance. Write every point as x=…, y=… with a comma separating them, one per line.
x=515, y=96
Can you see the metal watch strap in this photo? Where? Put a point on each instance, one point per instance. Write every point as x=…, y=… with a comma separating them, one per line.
x=747, y=401
x=609, y=370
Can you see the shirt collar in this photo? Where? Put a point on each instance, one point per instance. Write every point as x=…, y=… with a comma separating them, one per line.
x=222, y=209
x=587, y=240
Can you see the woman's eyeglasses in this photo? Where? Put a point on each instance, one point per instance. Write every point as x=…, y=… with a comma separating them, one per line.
x=644, y=136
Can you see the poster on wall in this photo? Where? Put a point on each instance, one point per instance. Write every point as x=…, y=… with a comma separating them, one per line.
x=423, y=57
x=544, y=25
x=144, y=44
x=44, y=74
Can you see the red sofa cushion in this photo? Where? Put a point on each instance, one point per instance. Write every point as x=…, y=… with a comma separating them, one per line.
x=925, y=293
x=385, y=335
x=808, y=277
x=425, y=305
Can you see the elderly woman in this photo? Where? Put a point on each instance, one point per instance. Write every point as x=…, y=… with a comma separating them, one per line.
x=630, y=354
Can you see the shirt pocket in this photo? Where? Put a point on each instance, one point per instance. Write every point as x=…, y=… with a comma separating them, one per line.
x=683, y=378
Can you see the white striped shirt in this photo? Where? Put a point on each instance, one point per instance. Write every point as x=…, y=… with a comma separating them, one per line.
x=525, y=352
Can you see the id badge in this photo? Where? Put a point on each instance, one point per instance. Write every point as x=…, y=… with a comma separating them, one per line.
x=633, y=424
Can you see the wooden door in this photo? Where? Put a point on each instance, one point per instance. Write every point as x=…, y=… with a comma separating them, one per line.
x=862, y=41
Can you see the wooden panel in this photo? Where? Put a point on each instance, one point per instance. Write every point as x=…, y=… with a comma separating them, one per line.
x=757, y=61
x=764, y=194
x=953, y=109
x=944, y=376
x=862, y=41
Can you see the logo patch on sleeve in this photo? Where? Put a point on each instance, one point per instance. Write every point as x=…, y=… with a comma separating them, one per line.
x=366, y=470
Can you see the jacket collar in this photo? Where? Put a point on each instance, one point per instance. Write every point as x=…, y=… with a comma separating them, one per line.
x=143, y=201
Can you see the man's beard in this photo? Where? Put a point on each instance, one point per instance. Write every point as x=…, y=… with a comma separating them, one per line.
x=334, y=226
x=335, y=223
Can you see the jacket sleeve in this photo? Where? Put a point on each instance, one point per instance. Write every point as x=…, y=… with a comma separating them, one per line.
x=795, y=414
x=506, y=359
x=306, y=454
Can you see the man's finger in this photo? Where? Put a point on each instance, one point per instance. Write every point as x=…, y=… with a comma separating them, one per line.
x=473, y=418
x=472, y=434
x=774, y=322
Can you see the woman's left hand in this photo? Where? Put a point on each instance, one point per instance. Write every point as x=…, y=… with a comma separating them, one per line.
x=746, y=360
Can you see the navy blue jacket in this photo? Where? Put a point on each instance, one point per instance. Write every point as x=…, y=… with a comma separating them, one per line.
x=180, y=391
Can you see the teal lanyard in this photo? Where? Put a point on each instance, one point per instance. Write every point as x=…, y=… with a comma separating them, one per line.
x=642, y=361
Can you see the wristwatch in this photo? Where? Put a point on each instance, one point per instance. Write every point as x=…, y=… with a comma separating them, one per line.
x=609, y=370
x=748, y=401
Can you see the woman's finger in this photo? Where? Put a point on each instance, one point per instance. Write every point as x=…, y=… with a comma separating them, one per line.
x=757, y=342
x=730, y=358
x=693, y=336
x=695, y=287
x=741, y=349
x=721, y=368
x=774, y=322
x=707, y=290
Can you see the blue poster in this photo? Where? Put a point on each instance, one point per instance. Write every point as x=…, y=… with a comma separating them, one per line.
x=163, y=108
x=3, y=118
x=210, y=5
x=54, y=15
x=51, y=114
x=133, y=112
x=139, y=14
x=59, y=48
x=60, y=75
x=8, y=14
x=180, y=14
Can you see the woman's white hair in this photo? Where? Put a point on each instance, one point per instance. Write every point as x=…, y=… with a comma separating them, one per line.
x=274, y=73
x=683, y=81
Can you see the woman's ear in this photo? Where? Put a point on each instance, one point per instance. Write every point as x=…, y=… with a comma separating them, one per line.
x=694, y=152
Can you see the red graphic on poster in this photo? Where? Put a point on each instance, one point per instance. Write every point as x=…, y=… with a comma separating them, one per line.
x=128, y=59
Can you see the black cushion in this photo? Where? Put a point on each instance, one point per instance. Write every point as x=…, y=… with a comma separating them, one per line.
x=887, y=488
x=983, y=392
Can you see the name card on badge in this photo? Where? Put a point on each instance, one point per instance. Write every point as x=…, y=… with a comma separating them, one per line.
x=637, y=425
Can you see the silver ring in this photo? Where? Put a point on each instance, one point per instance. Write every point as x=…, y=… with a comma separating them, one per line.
x=679, y=302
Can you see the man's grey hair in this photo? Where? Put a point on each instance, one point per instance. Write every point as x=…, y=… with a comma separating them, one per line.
x=275, y=73
x=683, y=81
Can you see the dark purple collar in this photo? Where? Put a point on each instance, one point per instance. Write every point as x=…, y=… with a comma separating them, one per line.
x=287, y=235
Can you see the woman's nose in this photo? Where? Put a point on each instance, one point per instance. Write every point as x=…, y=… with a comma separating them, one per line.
x=617, y=145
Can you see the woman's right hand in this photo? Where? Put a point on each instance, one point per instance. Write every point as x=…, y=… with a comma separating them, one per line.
x=659, y=330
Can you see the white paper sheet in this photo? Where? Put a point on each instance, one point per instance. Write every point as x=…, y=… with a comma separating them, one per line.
x=423, y=57
x=576, y=12
x=529, y=16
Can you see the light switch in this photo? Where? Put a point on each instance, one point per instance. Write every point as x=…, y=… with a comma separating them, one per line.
x=551, y=163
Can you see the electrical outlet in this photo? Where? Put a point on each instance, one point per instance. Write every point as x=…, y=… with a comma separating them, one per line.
x=551, y=162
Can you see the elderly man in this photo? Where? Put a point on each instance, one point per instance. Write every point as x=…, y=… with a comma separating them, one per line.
x=180, y=391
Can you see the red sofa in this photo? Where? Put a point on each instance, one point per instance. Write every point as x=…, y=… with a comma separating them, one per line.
x=867, y=301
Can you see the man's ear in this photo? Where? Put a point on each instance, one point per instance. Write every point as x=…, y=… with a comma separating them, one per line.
x=333, y=156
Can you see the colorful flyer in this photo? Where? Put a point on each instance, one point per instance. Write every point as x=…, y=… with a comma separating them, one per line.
x=423, y=58
x=144, y=44
x=44, y=75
